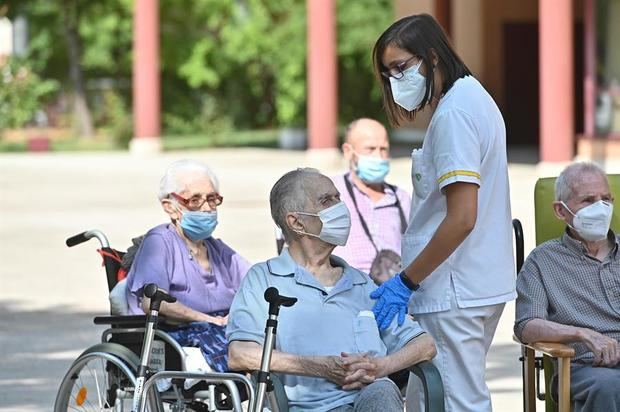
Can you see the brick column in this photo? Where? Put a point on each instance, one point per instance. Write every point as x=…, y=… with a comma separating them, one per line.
x=557, y=128
x=146, y=82
x=322, y=74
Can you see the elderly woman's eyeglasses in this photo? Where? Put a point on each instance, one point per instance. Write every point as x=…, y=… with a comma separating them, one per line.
x=397, y=71
x=197, y=201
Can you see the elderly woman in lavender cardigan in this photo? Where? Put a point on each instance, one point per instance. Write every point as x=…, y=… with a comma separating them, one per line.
x=182, y=257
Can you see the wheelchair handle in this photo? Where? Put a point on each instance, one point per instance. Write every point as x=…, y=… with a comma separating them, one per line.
x=272, y=295
x=157, y=295
x=87, y=235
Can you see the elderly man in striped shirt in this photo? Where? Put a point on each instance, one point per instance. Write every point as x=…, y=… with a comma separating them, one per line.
x=379, y=210
x=569, y=288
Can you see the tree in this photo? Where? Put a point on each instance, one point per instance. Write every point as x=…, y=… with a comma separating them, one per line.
x=223, y=62
x=70, y=10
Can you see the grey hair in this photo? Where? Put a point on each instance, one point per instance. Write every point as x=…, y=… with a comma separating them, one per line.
x=566, y=181
x=171, y=183
x=289, y=194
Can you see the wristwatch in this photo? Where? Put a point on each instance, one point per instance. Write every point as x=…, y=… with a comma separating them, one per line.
x=412, y=286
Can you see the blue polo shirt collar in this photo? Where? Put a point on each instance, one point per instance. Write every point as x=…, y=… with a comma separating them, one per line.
x=284, y=265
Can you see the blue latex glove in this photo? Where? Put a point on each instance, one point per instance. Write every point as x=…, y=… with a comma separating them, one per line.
x=392, y=298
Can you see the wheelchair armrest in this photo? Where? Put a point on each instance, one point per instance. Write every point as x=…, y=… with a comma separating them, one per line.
x=553, y=349
x=433, y=385
x=136, y=321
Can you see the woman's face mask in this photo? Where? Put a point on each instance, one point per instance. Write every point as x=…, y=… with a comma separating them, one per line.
x=336, y=222
x=198, y=225
x=592, y=222
x=408, y=91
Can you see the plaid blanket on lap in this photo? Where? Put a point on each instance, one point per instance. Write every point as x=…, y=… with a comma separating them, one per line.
x=210, y=338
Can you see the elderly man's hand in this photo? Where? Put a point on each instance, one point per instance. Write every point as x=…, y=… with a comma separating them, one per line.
x=392, y=298
x=363, y=370
x=350, y=371
x=606, y=350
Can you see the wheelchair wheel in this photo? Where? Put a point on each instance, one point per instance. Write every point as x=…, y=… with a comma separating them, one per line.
x=101, y=379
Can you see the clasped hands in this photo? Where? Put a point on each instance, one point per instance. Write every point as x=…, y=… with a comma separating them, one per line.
x=355, y=370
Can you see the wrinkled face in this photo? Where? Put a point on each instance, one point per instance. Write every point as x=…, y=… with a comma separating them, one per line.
x=321, y=194
x=587, y=189
x=367, y=138
x=198, y=194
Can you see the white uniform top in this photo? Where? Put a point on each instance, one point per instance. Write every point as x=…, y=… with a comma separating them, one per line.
x=465, y=142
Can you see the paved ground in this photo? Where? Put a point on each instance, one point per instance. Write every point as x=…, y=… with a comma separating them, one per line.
x=49, y=293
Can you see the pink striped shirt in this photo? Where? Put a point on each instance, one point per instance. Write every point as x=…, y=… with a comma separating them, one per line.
x=382, y=218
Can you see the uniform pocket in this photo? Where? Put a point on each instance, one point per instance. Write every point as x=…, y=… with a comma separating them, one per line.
x=411, y=246
x=419, y=174
x=367, y=337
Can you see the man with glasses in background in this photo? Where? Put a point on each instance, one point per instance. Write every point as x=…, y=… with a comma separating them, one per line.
x=379, y=210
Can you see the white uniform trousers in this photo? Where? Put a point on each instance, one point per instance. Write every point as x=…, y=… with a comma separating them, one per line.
x=463, y=338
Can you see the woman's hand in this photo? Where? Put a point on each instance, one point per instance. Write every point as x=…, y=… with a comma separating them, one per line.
x=217, y=320
x=392, y=298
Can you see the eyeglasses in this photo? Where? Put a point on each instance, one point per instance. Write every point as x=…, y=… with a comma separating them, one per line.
x=397, y=71
x=197, y=201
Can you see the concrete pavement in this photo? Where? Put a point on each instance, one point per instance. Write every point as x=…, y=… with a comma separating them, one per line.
x=49, y=293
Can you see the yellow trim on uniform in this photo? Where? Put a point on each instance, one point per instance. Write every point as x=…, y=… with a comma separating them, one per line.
x=458, y=173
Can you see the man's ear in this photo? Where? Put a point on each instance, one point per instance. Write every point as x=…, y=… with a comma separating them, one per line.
x=560, y=212
x=347, y=151
x=294, y=223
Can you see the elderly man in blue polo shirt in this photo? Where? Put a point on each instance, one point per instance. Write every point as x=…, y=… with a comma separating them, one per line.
x=329, y=348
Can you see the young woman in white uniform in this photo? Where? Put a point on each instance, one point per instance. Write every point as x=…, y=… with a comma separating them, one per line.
x=457, y=250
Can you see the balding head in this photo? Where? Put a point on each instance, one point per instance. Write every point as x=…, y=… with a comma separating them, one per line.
x=363, y=129
x=365, y=137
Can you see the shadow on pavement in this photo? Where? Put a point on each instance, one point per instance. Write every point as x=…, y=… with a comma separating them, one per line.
x=36, y=350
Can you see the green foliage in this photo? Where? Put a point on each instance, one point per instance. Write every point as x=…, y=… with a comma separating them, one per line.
x=238, y=138
x=224, y=63
x=115, y=117
x=105, y=28
x=360, y=23
x=22, y=93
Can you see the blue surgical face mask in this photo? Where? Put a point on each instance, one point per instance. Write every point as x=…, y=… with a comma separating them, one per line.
x=198, y=225
x=372, y=169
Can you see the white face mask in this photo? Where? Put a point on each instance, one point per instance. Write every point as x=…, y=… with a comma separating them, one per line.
x=408, y=91
x=336, y=222
x=592, y=222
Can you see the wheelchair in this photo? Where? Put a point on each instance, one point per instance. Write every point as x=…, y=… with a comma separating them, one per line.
x=107, y=376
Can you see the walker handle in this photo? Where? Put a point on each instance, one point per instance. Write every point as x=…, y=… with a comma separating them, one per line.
x=157, y=295
x=272, y=295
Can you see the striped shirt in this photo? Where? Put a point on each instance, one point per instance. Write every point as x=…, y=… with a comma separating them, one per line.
x=382, y=218
x=561, y=283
